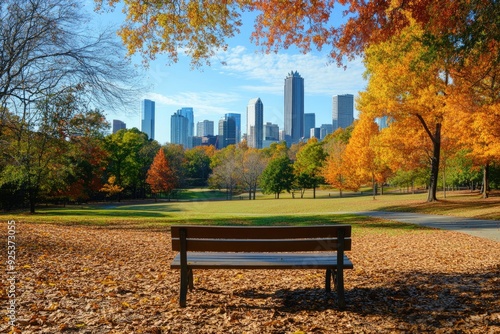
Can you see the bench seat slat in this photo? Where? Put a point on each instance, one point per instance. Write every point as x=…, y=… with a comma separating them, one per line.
x=261, y=245
x=213, y=260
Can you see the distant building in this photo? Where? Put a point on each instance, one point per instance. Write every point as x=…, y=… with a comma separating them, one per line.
x=237, y=124
x=205, y=128
x=294, y=108
x=325, y=129
x=271, y=134
x=271, y=131
x=255, y=123
x=188, y=113
x=227, y=132
x=148, y=118
x=315, y=133
x=342, y=111
x=209, y=140
x=179, y=130
x=309, y=123
x=118, y=125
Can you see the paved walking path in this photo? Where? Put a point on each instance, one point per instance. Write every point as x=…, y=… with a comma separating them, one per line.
x=489, y=229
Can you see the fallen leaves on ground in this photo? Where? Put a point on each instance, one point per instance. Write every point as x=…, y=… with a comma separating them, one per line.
x=102, y=280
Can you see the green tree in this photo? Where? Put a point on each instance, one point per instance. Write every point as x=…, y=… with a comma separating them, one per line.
x=197, y=165
x=308, y=166
x=277, y=177
x=124, y=161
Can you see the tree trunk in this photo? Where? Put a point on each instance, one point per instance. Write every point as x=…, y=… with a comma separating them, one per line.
x=374, y=191
x=433, y=184
x=436, y=143
x=32, y=194
x=486, y=180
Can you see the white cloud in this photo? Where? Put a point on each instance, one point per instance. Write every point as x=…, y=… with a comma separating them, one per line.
x=321, y=77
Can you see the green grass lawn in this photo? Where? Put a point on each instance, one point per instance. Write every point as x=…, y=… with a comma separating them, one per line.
x=266, y=210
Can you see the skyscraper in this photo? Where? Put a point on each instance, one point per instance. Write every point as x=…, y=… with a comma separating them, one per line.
x=179, y=130
x=294, y=108
x=342, y=111
x=188, y=113
x=227, y=132
x=205, y=128
x=237, y=124
x=148, y=118
x=118, y=125
x=255, y=123
x=309, y=123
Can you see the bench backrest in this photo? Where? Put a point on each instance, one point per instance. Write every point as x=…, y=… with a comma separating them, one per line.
x=261, y=239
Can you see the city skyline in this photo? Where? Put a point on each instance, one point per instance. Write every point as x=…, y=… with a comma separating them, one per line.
x=183, y=131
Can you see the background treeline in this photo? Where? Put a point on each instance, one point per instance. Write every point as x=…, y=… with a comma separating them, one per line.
x=49, y=166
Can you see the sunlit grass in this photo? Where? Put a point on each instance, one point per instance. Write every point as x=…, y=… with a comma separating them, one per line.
x=266, y=210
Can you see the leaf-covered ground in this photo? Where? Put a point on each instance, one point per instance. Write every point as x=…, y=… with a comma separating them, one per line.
x=104, y=280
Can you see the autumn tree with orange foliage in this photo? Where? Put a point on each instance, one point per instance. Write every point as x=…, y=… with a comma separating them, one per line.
x=361, y=155
x=160, y=176
x=336, y=171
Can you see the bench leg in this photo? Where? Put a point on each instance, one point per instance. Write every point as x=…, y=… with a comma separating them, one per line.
x=185, y=282
x=340, y=288
x=190, y=279
x=328, y=280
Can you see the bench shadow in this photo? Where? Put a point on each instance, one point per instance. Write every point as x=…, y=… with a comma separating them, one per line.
x=430, y=300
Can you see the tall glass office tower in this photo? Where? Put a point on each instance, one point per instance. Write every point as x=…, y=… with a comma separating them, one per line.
x=227, y=132
x=188, y=113
x=148, y=118
x=342, y=111
x=237, y=124
x=179, y=129
x=255, y=123
x=294, y=108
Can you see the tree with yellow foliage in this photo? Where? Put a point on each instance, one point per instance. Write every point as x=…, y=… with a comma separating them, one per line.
x=361, y=153
x=402, y=84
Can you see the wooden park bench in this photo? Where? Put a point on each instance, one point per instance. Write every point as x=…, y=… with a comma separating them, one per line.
x=276, y=247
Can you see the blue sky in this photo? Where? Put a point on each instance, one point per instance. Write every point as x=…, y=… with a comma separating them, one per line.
x=219, y=89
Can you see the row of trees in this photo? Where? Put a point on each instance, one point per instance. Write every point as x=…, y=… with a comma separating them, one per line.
x=89, y=166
